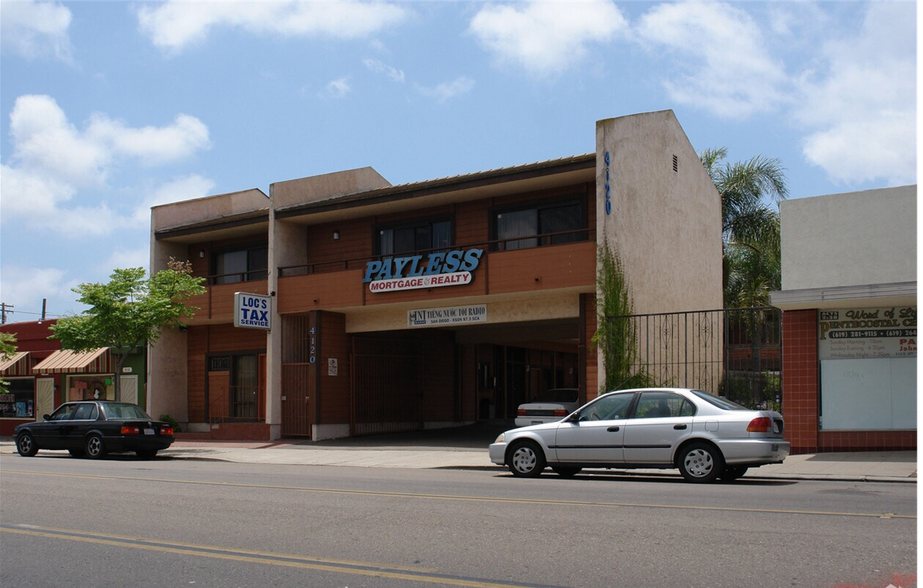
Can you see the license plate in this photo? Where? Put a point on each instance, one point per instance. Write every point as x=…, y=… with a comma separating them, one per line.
x=774, y=448
x=148, y=431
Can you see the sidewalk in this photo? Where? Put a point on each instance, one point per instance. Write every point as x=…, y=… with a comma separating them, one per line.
x=884, y=466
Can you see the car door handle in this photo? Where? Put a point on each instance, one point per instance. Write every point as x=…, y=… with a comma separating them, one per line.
x=612, y=429
x=679, y=427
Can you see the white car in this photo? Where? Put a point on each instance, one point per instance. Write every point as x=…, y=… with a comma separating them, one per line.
x=553, y=405
x=704, y=436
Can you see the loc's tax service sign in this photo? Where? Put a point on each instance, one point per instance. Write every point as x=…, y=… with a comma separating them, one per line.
x=252, y=311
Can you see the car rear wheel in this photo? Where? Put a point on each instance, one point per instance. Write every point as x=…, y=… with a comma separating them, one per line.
x=26, y=445
x=94, y=447
x=700, y=462
x=526, y=459
x=732, y=473
x=147, y=453
x=565, y=471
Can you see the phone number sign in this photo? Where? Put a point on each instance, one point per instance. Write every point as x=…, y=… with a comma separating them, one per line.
x=867, y=333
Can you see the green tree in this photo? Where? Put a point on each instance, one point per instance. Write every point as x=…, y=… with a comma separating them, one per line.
x=7, y=349
x=129, y=311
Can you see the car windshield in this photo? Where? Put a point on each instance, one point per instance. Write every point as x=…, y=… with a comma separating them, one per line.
x=125, y=411
x=722, y=403
x=557, y=395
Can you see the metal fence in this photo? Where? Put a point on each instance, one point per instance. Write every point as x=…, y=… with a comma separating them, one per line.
x=735, y=353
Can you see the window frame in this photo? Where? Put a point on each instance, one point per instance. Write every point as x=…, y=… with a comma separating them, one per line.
x=417, y=223
x=248, y=275
x=570, y=199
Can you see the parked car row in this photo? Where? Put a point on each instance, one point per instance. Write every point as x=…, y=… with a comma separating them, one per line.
x=707, y=438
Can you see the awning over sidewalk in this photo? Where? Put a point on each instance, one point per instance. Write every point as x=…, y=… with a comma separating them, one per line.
x=66, y=361
x=15, y=365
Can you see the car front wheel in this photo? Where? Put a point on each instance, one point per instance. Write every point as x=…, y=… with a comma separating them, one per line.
x=25, y=445
x=94, y=447
x=700, y=462
x=526, y=459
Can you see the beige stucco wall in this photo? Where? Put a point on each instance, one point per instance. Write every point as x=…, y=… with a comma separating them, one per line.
x=665, y=225
x=324, y=186
x=858, y=238
x=209, y=208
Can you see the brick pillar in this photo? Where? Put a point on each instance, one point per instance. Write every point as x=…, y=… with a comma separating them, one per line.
x=800, y=379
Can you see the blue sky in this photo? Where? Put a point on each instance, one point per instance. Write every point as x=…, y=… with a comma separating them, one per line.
x=108, y=108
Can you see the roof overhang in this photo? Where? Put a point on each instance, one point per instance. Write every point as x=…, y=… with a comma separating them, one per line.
x=863, y=296
x=250, y=223
x=16, y=364
x=535, y=176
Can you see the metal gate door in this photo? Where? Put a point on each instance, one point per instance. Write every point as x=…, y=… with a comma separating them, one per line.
x=298, y=374
x=387, y=385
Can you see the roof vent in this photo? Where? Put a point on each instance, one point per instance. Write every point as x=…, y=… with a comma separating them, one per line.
x=675, y=163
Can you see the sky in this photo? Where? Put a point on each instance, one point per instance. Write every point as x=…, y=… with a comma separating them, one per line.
x=108, y=108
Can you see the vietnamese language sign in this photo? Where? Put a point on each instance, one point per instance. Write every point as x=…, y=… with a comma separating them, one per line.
x=253, y=311
x=867, y=333
x=455, y=315
x=441, y=268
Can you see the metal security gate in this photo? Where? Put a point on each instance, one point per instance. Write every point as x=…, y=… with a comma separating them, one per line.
x=735, y=353
x=298, y=373
x=387, y=385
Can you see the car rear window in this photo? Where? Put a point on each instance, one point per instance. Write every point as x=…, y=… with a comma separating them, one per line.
x=722, y=403
x=557, y=395
x=125, y=411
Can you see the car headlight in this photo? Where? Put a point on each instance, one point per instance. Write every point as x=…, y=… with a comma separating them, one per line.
x=501, y=438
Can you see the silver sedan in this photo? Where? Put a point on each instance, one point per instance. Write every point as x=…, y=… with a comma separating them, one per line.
x=704, y=436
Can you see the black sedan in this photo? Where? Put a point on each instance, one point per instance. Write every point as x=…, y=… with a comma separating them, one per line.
x=95, y=428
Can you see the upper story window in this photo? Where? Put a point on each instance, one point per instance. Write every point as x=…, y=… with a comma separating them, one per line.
x=547, y=224
x=418, y=236
x=243, y=264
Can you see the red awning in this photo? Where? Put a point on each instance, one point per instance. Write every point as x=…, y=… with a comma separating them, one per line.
x=66, y=361
x=16, y=364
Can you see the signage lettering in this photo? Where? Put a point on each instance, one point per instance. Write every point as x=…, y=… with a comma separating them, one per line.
x=867, y=333
x=442, y=268
x=252, y=311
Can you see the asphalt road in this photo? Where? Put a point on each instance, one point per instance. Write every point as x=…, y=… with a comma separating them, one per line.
x=165, y=522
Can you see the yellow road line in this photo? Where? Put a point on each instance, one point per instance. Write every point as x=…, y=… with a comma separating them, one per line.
x=524, y=501
x=259, y=557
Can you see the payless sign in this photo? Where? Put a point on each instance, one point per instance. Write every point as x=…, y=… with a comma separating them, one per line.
x=443, y=268
x=252, y=311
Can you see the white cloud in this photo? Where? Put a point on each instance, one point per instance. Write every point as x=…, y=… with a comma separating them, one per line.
x=376, y=66
x=449, y=90
x=546, y=38
x=35, y=28
x=862, y=113
x=723, y=65
x=25, y=287
x=52, y=161
x=125, y=258
x=178, y=23
x=336, y=88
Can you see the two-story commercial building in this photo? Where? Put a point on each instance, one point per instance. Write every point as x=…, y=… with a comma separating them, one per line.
x=435, y=303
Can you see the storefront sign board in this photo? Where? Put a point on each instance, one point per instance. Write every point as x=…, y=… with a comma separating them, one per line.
x=252, y=311
x=867, y=333
x=452, y=315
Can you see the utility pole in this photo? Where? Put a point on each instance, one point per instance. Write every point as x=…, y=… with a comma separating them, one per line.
x=3, y=308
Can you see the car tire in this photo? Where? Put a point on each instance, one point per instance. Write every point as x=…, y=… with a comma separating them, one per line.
x=146, y=453
x=77, y=452
x=700, y=462
x=732, y=473
x=94, y=447
x=26, y=445
x=526, y=459
x=566, y=471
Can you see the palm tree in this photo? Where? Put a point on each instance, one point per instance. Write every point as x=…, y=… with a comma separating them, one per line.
x=750, y=192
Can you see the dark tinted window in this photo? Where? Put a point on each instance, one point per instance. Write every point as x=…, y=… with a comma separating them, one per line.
x=64, y=413
x=86, y=412
x=420, y=236
x=546, y=224
x=662, y=405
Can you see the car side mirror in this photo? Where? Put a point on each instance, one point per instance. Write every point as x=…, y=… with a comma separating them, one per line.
x=574, y=418
x=46, y=417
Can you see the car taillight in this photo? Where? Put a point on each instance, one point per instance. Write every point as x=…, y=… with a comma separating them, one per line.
x=166, y=430
x=130, y=430
x=760, y=425
x=560, y=412
x=521, y=412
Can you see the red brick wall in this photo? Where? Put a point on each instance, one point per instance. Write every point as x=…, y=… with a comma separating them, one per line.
x=800, y=379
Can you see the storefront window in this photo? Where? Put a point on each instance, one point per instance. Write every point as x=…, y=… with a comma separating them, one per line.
x=98, y=387
x=19, y=401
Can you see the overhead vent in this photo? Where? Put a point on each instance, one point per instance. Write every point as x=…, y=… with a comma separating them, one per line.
x=675, y=163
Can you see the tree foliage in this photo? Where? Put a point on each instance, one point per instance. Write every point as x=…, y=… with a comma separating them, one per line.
x=7, y=349
x=130, y=310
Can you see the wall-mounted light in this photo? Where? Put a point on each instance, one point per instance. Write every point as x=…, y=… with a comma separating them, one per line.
x=336, y=235
x=202, y=253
